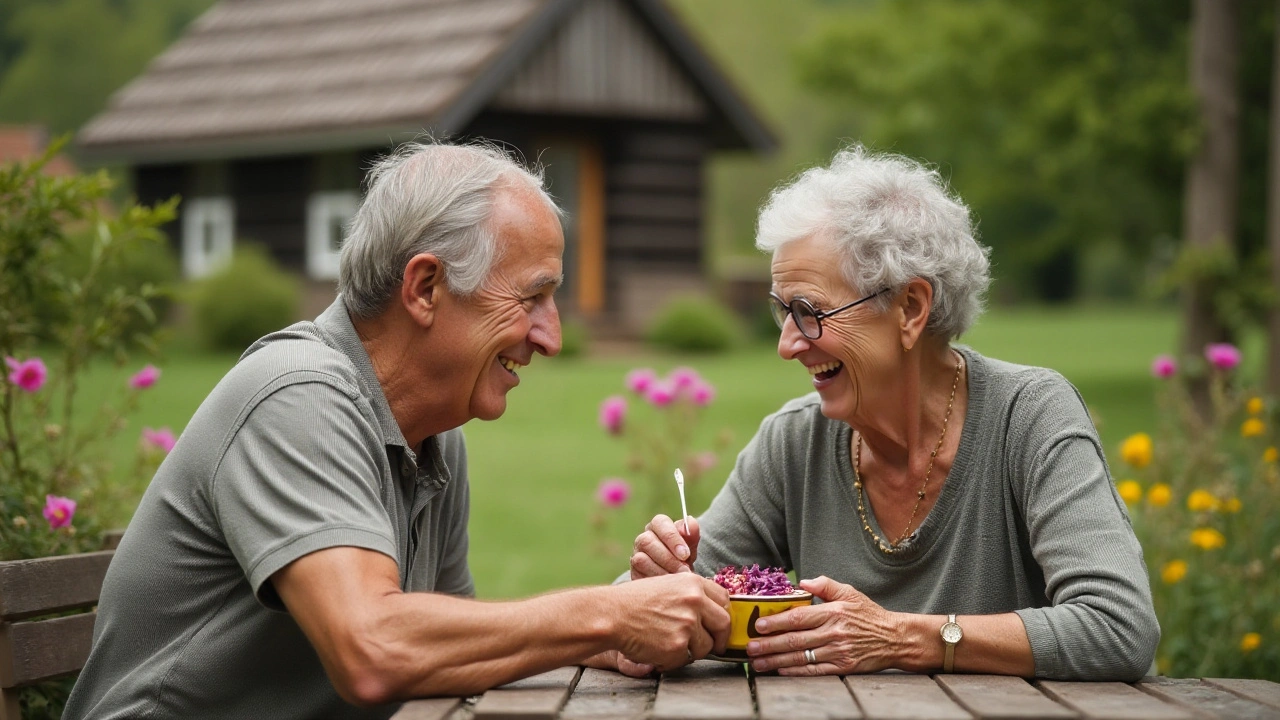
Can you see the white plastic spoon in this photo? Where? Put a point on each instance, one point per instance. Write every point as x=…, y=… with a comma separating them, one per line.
x=684, y=509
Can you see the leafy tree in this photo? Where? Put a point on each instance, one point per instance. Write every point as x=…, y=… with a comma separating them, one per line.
x=1065, y=125
x=61, y=59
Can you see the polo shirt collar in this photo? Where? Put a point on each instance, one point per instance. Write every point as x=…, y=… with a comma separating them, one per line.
x=337, y=324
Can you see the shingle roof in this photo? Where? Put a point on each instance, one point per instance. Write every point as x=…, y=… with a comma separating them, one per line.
x=282, y=75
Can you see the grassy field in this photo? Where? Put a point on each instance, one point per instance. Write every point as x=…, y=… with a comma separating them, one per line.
x=534, y=472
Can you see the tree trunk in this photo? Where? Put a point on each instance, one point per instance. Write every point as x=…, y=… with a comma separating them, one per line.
x=1212, y=189
x=1273, y=214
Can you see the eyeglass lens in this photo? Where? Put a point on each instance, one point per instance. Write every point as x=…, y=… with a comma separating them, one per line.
x=803, y=313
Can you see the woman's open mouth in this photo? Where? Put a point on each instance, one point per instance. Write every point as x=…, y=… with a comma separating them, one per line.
x=825, y=371
x=509, y=365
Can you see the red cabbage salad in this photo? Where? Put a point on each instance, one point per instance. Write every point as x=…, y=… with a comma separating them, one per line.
x=754, y=580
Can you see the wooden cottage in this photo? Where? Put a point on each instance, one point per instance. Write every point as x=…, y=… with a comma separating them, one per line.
x=266, y=113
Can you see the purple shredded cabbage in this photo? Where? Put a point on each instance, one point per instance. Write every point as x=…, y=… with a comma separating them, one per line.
x=754, y=580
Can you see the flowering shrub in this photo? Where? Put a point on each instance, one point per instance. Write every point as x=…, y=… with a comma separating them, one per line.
x=1203, y=493
x=60, y=246
x=658, y=421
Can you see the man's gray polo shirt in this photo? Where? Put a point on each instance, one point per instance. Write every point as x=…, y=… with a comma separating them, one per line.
x=295, y=450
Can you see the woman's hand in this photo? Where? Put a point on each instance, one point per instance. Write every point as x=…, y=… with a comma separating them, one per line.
x=665, y=547
x=848, y=634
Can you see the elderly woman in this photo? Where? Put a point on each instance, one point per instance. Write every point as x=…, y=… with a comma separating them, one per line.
x=954, y=511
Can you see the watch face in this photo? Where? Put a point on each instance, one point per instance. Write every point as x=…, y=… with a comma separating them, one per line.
x=951, y=633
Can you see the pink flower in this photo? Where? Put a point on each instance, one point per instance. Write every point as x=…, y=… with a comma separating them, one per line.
x=1223, y=356
x=58, y=511
x=1163, y=367
x=613, y=492
x=27, y=374
x=639, y=380
x=704, y=461
x=612, y=412
x=661, y=393
x=702, y=393
x=145, y=378
x=683, y=378
x=161, y=438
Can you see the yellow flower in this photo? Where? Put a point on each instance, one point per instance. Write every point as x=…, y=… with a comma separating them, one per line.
x=1201, y=501
x=1159, y=495
x=1232, y=505
x=1253, y=427
x=1271, y=454
x=1250, y=642
x=1207, y=539
x=1136, y=450
x=1130, y=490
x=1173, y=571
x=1254, y=406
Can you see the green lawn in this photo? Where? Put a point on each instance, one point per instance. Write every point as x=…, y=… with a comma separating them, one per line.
x=534, y=472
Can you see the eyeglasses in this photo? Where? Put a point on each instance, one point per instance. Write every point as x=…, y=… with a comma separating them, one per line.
x=808, y=318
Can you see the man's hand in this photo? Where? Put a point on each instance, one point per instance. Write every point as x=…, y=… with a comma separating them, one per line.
x=672, y=620
x=614, y=660
x=665, y=547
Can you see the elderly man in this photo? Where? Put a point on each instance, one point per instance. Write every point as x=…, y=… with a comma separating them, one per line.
x=302, y=552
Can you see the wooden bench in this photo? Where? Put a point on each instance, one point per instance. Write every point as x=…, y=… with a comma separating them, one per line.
x=33, y=647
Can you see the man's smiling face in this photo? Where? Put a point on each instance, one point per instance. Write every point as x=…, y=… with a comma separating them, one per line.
x=514, y=314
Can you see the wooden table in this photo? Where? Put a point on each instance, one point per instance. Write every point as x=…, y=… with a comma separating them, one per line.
x=709, y=690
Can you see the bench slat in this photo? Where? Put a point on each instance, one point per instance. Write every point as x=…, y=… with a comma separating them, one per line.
x=605, y=694
x=1207, y=699
x=785, y=698
x=1263, y=691
x=539, y=696
x=705, y=690
x=44, y=649
x=1112, y=700
x=53, y=584
x=903, y=697
x=428, y=709
x=1002, y=697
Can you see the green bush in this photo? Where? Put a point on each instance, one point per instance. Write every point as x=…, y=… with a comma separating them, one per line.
x=573, y=338
x=249, y=298
x=695, y=324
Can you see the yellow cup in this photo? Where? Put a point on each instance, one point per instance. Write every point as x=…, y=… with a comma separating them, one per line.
x=744, y=610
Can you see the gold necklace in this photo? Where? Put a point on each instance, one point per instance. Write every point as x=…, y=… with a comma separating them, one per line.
x=890, y=548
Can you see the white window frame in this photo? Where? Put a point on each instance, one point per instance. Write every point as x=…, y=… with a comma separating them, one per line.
x=323, y=208
x=202, y=255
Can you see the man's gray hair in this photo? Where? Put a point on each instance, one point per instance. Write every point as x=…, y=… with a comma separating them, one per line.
x=891, y=219
x=427, y=198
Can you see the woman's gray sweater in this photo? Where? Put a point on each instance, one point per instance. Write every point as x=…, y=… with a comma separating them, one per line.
x=1028, y=521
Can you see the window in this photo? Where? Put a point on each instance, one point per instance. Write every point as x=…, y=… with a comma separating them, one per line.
x=208, y=225
x=328, y=214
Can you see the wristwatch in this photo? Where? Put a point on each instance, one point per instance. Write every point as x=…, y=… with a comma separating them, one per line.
x=951, y=635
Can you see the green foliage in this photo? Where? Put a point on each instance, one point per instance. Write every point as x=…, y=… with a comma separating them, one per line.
x=61, y=59
x=695, y=324
x=1202, y=495
x=1240, y=292
x=1062, y=124
x=573, y=338
x=58, y=246
x=249, y=298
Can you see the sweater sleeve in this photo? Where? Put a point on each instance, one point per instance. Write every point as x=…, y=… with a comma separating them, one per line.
x=1101, y=624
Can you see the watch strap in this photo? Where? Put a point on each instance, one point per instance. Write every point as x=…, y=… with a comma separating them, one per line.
x=949, y=654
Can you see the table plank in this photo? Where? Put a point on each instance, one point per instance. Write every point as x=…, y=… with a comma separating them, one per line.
x=819, y=698
x=1002, y=697
x=1263, y=691
x=537, y=697
x=428, y=709
x=903, y=697
x=1207, y=699
x=604, y=694
x=705, y=690
x=1111, y=701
